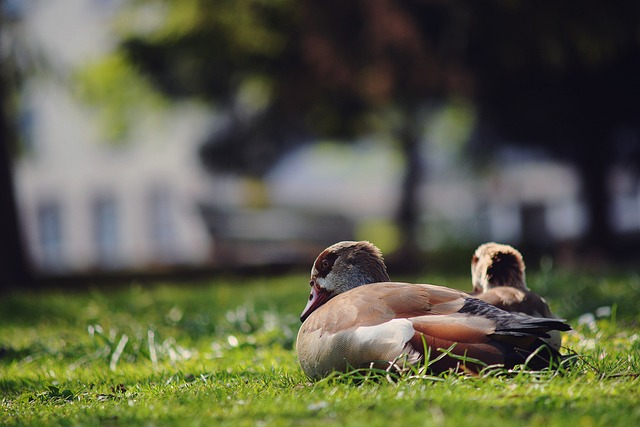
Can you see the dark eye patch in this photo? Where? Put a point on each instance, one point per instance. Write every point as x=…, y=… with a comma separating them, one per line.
x=325, y=262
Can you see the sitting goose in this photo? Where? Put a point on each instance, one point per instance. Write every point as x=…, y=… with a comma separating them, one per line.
x=497, y=275
x=356, y=317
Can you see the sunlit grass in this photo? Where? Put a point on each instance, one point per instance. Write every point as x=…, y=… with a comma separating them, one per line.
x=222, y=353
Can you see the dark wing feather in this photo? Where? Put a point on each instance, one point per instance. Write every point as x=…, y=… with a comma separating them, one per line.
x=513, y=324
x=516, y=300
x=488, y=334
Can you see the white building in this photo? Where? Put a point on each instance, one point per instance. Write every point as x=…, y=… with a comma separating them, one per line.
x=86, y=203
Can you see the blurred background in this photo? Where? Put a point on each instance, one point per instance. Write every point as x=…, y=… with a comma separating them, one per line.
x=150, y=137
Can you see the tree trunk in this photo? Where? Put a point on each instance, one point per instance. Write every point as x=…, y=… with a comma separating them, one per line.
x=594, y=166
x=14, y=270
x=408, y=213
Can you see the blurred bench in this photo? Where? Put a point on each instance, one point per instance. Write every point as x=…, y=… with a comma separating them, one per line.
x=272, y=236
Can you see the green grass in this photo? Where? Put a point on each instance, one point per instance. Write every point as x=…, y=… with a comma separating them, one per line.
x=222, y=353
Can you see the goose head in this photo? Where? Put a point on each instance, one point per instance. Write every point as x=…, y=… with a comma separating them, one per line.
x=494, y=265
x=343, y=266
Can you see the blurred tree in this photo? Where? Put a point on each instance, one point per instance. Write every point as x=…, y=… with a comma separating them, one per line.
x=565, y=77
x=286, y=72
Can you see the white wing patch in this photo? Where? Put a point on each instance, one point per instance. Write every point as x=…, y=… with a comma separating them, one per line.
x=393, y=334
x=364, y=346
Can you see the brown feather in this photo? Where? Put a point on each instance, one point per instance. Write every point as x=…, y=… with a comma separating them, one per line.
x=488, y=353
x=456, y=328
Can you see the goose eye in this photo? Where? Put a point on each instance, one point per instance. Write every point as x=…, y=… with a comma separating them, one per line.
x=474, y=260
x=325, y=264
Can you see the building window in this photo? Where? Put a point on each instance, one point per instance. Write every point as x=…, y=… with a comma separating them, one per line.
x=105, y=231
x=50, y=236
x=26, y=124
x=161, y=225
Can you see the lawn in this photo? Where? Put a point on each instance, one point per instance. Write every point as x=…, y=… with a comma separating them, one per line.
x=222, y=353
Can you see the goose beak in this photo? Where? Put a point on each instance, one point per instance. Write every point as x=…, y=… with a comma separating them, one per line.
x=317, y=297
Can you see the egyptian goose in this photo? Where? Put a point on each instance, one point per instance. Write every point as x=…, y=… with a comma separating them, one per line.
x=385, y=324
x=497, y=275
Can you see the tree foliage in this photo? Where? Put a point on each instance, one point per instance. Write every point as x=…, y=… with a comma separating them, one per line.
x=322, y=69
